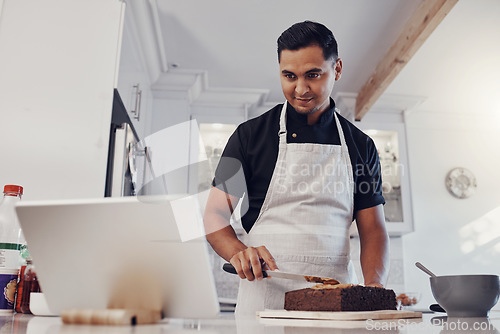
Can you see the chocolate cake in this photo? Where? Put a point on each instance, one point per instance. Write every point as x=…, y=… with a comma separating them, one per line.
x=340, y=297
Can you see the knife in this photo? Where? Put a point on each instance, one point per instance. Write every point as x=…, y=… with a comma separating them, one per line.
x=228, y=267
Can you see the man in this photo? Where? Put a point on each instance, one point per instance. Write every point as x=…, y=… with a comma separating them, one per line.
x=309, y=173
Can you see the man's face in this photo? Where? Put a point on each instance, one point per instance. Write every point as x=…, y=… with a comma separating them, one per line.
x=307, y=79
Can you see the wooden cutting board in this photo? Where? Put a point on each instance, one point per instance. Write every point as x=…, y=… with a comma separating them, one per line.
x=344, y=315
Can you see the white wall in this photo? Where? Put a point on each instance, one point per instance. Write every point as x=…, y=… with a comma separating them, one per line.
x=451, y=237
x=168, y=112
x=57, y=71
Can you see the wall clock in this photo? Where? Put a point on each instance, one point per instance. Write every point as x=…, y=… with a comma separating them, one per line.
x=460, y=182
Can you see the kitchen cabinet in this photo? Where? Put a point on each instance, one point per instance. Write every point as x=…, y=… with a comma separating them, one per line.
x=390, y=140
x=58, y=64
x=134, y=82
x=214, y=137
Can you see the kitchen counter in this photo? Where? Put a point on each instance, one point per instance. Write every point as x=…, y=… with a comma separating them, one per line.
x=227, y=324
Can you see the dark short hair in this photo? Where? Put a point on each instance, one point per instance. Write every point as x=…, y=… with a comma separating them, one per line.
x=307, y=33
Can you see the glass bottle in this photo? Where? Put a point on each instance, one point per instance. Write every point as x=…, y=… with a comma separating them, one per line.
x=30, y=285
x=20, y=287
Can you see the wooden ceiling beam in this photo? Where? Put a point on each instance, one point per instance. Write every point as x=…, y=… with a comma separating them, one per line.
x=421, y=24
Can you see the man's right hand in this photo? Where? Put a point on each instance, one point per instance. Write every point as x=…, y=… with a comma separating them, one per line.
x=224, y=241
x=250, y=262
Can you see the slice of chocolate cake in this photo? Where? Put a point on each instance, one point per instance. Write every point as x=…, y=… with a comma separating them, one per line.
x=340, y=297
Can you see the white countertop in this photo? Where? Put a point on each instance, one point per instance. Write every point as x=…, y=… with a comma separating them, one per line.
x=226, y=324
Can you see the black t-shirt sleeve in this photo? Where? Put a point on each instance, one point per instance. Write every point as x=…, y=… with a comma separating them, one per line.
x=368, y=176
x=231, y=170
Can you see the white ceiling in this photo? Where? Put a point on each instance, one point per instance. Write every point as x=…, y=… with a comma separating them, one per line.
x=457, y=68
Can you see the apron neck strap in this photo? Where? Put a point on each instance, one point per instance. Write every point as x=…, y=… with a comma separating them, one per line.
x=282, y=130
x=339, y=129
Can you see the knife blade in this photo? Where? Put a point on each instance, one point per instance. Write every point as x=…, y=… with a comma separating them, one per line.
x=228, y=267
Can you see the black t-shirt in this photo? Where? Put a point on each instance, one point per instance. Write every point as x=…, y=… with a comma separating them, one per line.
x=253, y=148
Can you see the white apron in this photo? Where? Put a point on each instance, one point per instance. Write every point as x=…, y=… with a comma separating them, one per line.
x=304, y=220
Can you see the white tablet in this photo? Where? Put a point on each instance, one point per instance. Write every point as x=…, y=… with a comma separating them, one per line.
x=122, y=252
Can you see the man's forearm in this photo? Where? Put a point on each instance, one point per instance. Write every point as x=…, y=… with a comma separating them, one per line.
x=217, y=221
x=225, y=242
x=375, y=259
x=374, y=242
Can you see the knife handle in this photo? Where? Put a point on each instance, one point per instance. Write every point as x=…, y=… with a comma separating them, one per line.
x=228, y=267
x=436, y=308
